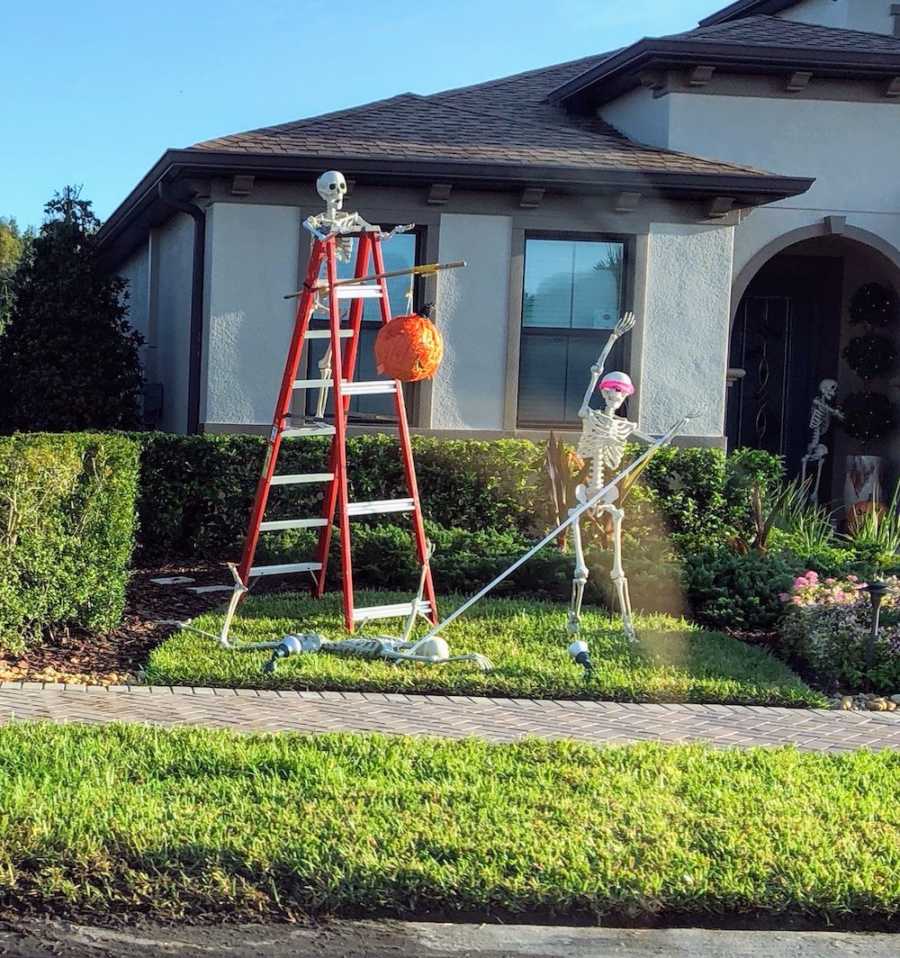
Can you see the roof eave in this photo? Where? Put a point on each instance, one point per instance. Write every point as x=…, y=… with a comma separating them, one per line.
x=622, y=72
x=746, y=8
x=142, y=205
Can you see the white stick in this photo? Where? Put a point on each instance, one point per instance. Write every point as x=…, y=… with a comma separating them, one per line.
x=573, y=515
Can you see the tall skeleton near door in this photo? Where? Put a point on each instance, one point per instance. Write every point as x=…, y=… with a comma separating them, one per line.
x=604, y=436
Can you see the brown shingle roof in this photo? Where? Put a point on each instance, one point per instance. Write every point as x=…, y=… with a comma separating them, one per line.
x=500, y=122
x=765, y=31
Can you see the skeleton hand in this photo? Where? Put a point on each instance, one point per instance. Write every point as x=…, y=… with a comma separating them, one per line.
x=624, y=325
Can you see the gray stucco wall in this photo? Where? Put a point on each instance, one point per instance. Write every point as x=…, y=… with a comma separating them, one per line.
x=684, y=339
x=873, y=16
x=640, y=116
x=253, y=253
x=136, y=270
x=470, y=387
x=739, y=129
x=175, y=242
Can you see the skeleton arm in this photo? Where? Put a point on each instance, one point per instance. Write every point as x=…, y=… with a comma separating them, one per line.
x=624, y=325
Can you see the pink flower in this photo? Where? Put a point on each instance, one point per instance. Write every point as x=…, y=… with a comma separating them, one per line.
x=800, y=582
x=785, y=597
x=812, y=576
x=830, y=581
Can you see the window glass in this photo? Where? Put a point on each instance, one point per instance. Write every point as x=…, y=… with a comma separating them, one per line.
x=573, y=295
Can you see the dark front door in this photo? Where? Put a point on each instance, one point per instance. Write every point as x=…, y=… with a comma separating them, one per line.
x=786, y=337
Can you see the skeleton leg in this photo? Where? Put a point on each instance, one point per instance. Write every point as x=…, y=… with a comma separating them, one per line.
x=814, y=496
x=324, y=375
x=618, y=572
x=579, y=580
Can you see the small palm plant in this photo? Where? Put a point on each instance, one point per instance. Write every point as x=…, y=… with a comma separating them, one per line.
x=875, y=532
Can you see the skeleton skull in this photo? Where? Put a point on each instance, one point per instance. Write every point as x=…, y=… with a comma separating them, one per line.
x=332, y=186
x=828, y=388
x=615, y=388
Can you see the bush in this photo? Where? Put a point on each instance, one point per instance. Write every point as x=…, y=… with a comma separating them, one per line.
x=827, y=629
x=196, y=490
x=728, y=590
x=67, y=508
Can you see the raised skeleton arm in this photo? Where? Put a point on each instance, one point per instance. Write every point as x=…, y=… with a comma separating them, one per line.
x=623, y=326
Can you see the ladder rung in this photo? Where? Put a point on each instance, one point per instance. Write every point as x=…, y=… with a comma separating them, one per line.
x=276, y=524
x=285, y=569
x=326, y=333
x=389, y=611
x=299, y=478
x=373, y=387
x=313, y=383
x=353, y=291
x=320, y=429
x=378, y=506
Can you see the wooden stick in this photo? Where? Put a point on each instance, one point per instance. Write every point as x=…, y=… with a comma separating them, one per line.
x=425, y=270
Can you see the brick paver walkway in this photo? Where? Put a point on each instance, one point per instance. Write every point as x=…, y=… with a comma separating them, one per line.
x=497, y=720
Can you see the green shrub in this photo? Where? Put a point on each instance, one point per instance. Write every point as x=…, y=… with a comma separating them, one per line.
x=67, y=505
x=196, y=490
x=728, y=590
x=827, y=630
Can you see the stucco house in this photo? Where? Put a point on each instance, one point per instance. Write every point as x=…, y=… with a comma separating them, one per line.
x=733, y=185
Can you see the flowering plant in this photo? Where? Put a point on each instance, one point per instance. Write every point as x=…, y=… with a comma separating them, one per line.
x=828, y=628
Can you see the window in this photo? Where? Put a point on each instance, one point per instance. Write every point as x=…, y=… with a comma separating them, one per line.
x=400, y=252
x=574, y=293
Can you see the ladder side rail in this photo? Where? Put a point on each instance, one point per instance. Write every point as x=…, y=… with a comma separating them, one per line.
x=282, y=410
x=409, y=467
x=346, y=371
x=340, y=438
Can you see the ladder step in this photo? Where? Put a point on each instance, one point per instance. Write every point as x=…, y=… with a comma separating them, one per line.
x=389, y=611
x=313, y=383
x=319, y=429
x=362, y=291
x=374, y=387
x=326, y=333
x=379, y=506
x=276, y=524
x=285, y=569
x=299, y=478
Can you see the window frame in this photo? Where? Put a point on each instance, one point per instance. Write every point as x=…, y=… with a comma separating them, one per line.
x=628, y=242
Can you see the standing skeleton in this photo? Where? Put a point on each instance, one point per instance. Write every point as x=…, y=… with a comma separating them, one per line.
x=603, y=439
x=823, y=408
x=332, y=187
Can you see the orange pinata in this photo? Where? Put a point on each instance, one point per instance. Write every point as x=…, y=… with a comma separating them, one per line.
x=409, y=348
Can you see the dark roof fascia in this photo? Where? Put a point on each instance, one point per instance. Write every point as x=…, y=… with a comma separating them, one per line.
x=142, y=208
x=747, y=8
x=621, y=72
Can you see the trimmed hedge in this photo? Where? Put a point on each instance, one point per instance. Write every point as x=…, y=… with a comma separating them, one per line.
x=196, y=490
x=67, y=522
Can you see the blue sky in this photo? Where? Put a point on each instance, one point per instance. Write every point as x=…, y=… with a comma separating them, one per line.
x=96, y=91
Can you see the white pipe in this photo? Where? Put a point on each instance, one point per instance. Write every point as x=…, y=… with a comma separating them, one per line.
x=573, y=515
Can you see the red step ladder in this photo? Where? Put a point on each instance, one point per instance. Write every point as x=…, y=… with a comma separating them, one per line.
x=336, y=500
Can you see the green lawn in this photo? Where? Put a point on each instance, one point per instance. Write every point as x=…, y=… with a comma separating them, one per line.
x=129, y=819
x=526, y=641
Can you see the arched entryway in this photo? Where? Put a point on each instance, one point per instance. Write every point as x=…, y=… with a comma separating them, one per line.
x=788, y=332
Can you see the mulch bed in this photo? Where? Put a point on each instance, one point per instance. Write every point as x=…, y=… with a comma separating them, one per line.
x=80, y=657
